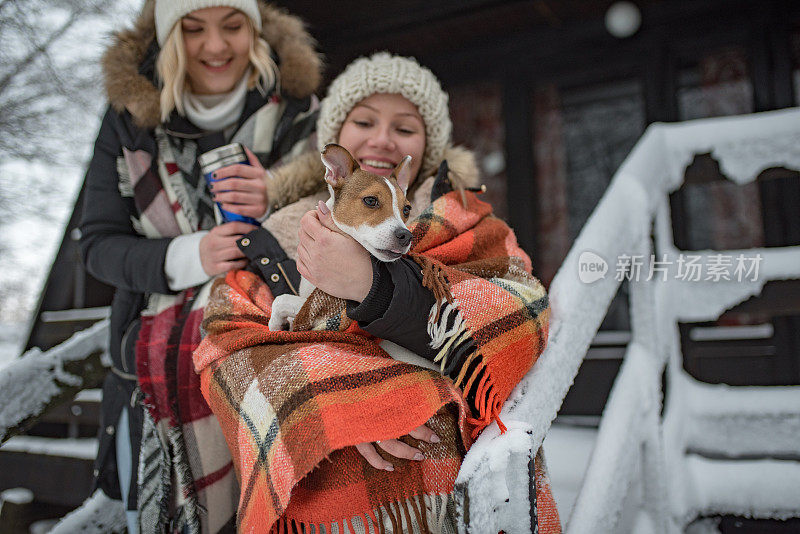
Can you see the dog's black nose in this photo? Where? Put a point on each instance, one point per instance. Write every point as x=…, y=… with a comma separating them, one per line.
x=403, y=236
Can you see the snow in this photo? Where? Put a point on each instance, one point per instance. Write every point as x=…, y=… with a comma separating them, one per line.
x=720, y=400
x=616, y=462
x=694, y=301
x=43, y=526
x=567, y=450
x=636, y=459
x=97, y=515
x=89, y=395
x=755, y=488
x=80, y=448
x=11, y=341
x=16, y=496
x=744, y=145
x=28, y=384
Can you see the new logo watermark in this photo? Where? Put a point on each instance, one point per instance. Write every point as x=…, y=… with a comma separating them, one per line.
x=685, y=267
x=591, y=267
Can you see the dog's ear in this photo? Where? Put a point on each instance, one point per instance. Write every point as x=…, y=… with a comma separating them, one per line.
x=339, y=164
x=403, y=173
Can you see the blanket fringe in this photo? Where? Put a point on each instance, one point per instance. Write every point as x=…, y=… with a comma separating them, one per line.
x=433, y=278
x=437, y=328
x=187, y=498
x=418, y=514
x=446, y=339
x=486, y=400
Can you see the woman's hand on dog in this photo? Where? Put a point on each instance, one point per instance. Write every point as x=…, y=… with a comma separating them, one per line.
x=333, y=262
x=396, y=448
x=244, y=190
x=218, y=251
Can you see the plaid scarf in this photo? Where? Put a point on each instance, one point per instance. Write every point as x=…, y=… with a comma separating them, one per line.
x=292, y=404
x=186, y=478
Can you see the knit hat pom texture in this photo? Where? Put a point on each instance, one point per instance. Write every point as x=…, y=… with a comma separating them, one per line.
x=168, y=12
x=387, y=74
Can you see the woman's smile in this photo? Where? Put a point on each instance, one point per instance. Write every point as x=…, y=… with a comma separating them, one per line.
x=217, y=65
x=377, y=165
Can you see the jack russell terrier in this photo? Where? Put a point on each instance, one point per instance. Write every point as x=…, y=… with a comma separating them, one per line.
x=371, y=209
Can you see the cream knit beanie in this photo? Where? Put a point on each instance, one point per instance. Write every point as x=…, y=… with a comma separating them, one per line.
x=385, y=73
x=168, y=12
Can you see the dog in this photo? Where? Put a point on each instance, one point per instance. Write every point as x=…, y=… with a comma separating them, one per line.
x=371, y=209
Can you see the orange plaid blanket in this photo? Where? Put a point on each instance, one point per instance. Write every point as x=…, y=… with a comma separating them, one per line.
x=292, y=404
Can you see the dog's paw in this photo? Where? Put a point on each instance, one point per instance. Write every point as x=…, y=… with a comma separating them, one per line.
x=277, y=323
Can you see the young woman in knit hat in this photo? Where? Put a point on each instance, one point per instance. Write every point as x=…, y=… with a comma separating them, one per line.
x=326, y=428
x=188, y=77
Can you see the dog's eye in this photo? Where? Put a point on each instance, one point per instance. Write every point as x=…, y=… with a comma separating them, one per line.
x=371, y=202
x=406, y=210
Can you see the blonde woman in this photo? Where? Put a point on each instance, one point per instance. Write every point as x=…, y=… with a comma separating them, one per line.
x=190, y=76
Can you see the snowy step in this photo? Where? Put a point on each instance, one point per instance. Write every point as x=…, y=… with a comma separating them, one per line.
x=737, y=421
x=765, y=489
x=79, y=448
x=68, y=464
x=97, y=515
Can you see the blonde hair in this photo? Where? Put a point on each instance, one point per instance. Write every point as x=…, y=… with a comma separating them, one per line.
x=171, y=68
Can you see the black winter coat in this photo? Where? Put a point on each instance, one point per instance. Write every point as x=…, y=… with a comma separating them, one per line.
x=112, y=250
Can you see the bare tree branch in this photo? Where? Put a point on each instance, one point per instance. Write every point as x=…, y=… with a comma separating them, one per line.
x=37, y=51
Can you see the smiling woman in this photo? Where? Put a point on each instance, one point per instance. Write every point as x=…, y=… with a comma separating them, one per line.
x=190, y=77
x=397, y=361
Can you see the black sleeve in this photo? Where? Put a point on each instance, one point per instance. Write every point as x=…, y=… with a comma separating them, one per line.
x=111, y=249
x=397, y=306
x=266, y=258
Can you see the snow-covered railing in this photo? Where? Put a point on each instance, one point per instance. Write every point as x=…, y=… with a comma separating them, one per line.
x=630, y=456
x=40, y=380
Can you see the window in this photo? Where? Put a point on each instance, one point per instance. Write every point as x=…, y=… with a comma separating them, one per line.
x=718, y=214
x=581, y=136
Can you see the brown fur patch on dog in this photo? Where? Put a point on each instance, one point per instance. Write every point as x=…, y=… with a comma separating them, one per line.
x=349, y=206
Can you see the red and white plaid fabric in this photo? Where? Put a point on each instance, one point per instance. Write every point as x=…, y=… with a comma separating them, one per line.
x=293, y=404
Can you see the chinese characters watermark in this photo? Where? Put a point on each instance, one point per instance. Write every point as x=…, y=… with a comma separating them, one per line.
x=685, y=267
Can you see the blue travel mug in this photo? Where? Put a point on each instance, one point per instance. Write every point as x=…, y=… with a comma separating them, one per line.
x=214, y=160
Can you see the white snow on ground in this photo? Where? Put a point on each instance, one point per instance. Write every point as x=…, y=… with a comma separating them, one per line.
x=567, y=450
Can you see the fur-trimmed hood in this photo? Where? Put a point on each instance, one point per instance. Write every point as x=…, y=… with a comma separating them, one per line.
x=305, y=175
x=129, y=89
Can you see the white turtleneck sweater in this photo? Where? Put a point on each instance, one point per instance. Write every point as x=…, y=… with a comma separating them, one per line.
x=216, y=112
